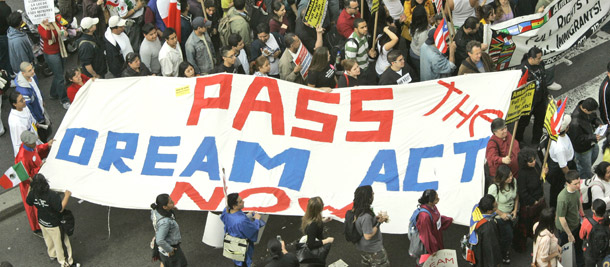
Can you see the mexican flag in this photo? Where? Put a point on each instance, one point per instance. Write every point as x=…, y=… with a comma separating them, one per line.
x=13, y=176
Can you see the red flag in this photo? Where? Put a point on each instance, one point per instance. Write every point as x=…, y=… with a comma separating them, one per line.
x=169, y=10
x=523, y=79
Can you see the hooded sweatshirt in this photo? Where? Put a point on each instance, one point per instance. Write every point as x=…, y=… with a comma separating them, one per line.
x=19, y=47
x=31, y=95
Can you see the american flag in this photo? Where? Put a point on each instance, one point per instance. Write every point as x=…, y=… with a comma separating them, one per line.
x=439, y=6
x=440, y=36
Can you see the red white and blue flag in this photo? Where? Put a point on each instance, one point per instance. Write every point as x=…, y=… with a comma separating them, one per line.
x=439, y=6
x=440, y=36
x=558, y=117
x=169, y=11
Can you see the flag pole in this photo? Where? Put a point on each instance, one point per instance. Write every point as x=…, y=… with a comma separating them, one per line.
x=449, y=24
x=375, y=28
x=362, y=9
x=546, y=156
x=512, y=140
x=203, y=8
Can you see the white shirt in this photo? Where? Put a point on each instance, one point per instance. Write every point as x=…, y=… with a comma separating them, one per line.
x=124, y=43
x=602, y=192
x=562, y=150
x=243, y=59
x=18, y=122
x=170, y=58
x=274, y=63
x=382, y=61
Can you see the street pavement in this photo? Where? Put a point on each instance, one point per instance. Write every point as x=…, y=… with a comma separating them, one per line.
x=120, y=237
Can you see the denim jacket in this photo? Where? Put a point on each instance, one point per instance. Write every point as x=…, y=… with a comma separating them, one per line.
x=167, y=232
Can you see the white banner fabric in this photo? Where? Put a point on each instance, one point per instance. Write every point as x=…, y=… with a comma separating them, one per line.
x=563, y=25
x=124, y=141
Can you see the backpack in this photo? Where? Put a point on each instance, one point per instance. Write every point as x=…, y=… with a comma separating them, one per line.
x=224, y=28
x=336, y=46
x=67, y=222
x=351, y=233
x=466, y=246
x=416, y=247
x=585, y=191
x=598, y=240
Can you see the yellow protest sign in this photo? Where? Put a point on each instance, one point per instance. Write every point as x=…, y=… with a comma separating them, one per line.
x=521, y=102
x=316, y=10
x=374, y=6
x=184, y=90
x=548, y=117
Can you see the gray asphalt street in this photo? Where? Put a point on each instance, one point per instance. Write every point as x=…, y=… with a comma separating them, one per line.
x=120, y=237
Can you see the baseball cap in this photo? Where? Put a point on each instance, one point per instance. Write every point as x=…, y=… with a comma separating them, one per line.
x=430, y=40
x=88, y=22
x=116, y=21
x=198, y=22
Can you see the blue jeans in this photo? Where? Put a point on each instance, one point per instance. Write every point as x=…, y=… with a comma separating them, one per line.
x=58, y=88
x=585, y=160
x=505, y=231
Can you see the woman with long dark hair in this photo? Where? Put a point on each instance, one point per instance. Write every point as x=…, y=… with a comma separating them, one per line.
x=368, y=224
x=386, y=43
x=75, y=79
x=531, y=198
x=185, y=69
x=167, y=232
x=241, y=225
x=279, y=20
x=312, y=225
x=547, y=251
x=321, y=74
x=419, y=32
x=430, y=228
x=504, y=190
x=409, y=8
x=534, y=66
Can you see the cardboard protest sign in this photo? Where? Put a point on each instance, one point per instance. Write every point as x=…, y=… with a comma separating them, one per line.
x=304, y=59
x=521, y=102
x=39, y=10
x=556, y=31
x=280, y=143
x=316, y=11
x=442, y=258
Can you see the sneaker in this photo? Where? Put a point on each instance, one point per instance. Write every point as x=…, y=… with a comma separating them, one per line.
x=38, y=233
x=554, y=86
x=75, y=265
x=66, y=105
x=506, y=259
x=52, y=259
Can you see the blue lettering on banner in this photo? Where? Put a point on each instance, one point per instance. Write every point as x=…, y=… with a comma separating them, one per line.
x=83, y=158
x=153, y=156
x=246, y=154
x=207, y=150
x=114, y=156
x=471, y=148
x=386, y=160
x=416, y=155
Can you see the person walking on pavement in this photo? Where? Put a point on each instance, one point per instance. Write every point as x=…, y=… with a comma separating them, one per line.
x=5, y=63
x=432, y=225
x=583, y=137
x=19, y=45
x=31, y=156
x=568, y=215
x=50, y=206
x=312, y=225
x=55, y=55
x=167, y=232
x=241, y=225
x=370, y=245
x=19, y=120
x=28, y=87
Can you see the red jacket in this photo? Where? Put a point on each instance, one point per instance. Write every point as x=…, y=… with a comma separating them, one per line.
x=73, y=88
x=586, y=227
x=345, y=23
x=32, y=160
x=45, y=36
x=429, y=233
x=494, y=158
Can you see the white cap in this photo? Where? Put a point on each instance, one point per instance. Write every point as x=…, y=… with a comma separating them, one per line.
x=565, y=123
x=116, y=21
x=88, y=22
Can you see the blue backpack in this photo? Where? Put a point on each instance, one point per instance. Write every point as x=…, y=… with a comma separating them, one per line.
x=416, y=247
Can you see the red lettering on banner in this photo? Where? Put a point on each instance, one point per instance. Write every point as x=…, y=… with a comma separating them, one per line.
x=457, y=109
x=274, y=106
x=183, y=187
x=199, y=100
x=384, y=117
x=329, y=122
x=337, y=212
x=283, y=201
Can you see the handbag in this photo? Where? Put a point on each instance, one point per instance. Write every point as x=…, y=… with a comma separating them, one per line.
x=306, y=255
x=235, y=248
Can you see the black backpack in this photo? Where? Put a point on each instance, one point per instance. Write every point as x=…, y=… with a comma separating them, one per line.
x=351, y=234
x=67, y=222
x=598, y=241
x=336, y=46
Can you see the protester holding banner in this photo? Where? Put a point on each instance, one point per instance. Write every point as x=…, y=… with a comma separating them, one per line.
x=531, y=198
x=367, y=223
x=504, y=190
x=583, y=137
x=133, y=66
x=75, y=79
x=186, y=70
x=55, y=55
x=167, y=232
x=547, y=251
x=350, y=73
x=399, y=72
x=533, y=66
x=19, y=45
x=409, y=7
x=430, y=225
x=477, y=60
x=31, y=155
x=433, y=64
x=345, y=23
x=561, y=153
x=312, y=225
x=569, y=212
x=170, y=55
x=604, y=97
x=50, y=206
x=149, y=49
x=241, y=225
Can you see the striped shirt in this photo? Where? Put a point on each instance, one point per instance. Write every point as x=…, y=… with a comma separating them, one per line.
x=358, y=51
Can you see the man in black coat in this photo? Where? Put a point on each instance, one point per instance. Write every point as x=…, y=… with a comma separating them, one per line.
x=398, y=72
x=583, y=137
x=487, y=250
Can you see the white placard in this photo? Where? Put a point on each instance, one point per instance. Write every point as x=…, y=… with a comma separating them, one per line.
x=39, y=10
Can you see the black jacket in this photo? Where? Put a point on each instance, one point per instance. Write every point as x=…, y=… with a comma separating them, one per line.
x=529, y=186
x=114, y=58
x=390, y=77
x=487, y=251
x=536, y=73
x=581, y=130
x=90, y=52
x=604, y=100
x=129, y=72
x=257, y=45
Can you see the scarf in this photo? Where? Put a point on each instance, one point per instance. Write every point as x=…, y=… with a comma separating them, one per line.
x=55, y=29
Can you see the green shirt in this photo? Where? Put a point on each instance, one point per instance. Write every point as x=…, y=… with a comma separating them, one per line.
x=506, y=197
x=567, y=206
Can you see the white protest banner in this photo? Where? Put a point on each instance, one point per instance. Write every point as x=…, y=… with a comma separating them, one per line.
x=39, y=10
x=304, y=59
x=562, y=25
x=126, y=140
x=442, y=258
